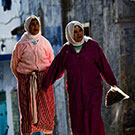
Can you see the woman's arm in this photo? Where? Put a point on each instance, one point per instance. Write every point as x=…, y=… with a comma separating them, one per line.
x=14, y=61
x=55, y=71
x=105, y=69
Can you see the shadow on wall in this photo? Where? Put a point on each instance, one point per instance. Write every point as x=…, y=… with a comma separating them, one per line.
x=54, y=35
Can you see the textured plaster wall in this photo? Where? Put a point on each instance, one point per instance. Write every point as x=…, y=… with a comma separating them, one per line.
x=127, y=59
x=7, y=83
x=111, y=48
x=7, y=80
x=126, y=20
x=8, y=21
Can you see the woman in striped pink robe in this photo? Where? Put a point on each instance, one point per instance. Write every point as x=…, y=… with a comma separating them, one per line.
x=30, y=61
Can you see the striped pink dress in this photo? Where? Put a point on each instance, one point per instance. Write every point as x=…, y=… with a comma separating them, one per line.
x=45, y=105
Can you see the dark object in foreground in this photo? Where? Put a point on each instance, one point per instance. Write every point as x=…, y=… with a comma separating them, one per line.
x=115, y=95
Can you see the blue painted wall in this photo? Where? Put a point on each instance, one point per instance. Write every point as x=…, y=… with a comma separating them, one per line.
x=3, y=113
x=53, y=34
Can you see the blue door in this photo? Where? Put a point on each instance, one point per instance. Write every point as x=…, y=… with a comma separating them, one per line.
x=3, y=113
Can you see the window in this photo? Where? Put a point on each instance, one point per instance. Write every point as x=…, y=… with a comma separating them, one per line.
x=86, y=28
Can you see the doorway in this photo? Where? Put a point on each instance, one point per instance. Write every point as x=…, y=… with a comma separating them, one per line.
x=3, y=113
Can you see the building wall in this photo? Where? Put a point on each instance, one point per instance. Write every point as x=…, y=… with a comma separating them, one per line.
x=111, y=47
x=126, y=22
x=9, y=19
x=127, y=77
x=8, y=83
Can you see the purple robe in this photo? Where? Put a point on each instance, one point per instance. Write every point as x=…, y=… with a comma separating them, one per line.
x=84, y=85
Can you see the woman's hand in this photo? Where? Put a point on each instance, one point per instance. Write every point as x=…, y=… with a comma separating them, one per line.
x=114, y=86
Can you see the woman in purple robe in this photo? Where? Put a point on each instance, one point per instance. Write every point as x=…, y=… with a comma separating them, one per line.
x=85, y=64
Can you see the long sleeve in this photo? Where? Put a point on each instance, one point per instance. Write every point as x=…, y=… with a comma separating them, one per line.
x=105, y=68
x=28, y=57
x=51, y=54
x=55, y=71
x=14, y=62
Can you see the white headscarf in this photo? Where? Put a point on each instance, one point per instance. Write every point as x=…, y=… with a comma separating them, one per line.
x=69, y=32
x=27, y=36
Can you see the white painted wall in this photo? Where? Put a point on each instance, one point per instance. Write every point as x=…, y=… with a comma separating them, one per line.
x=9, y=19
x=8, y=83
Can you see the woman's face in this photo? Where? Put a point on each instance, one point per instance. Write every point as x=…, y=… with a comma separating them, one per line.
x=78, y=34
x=34, y=27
